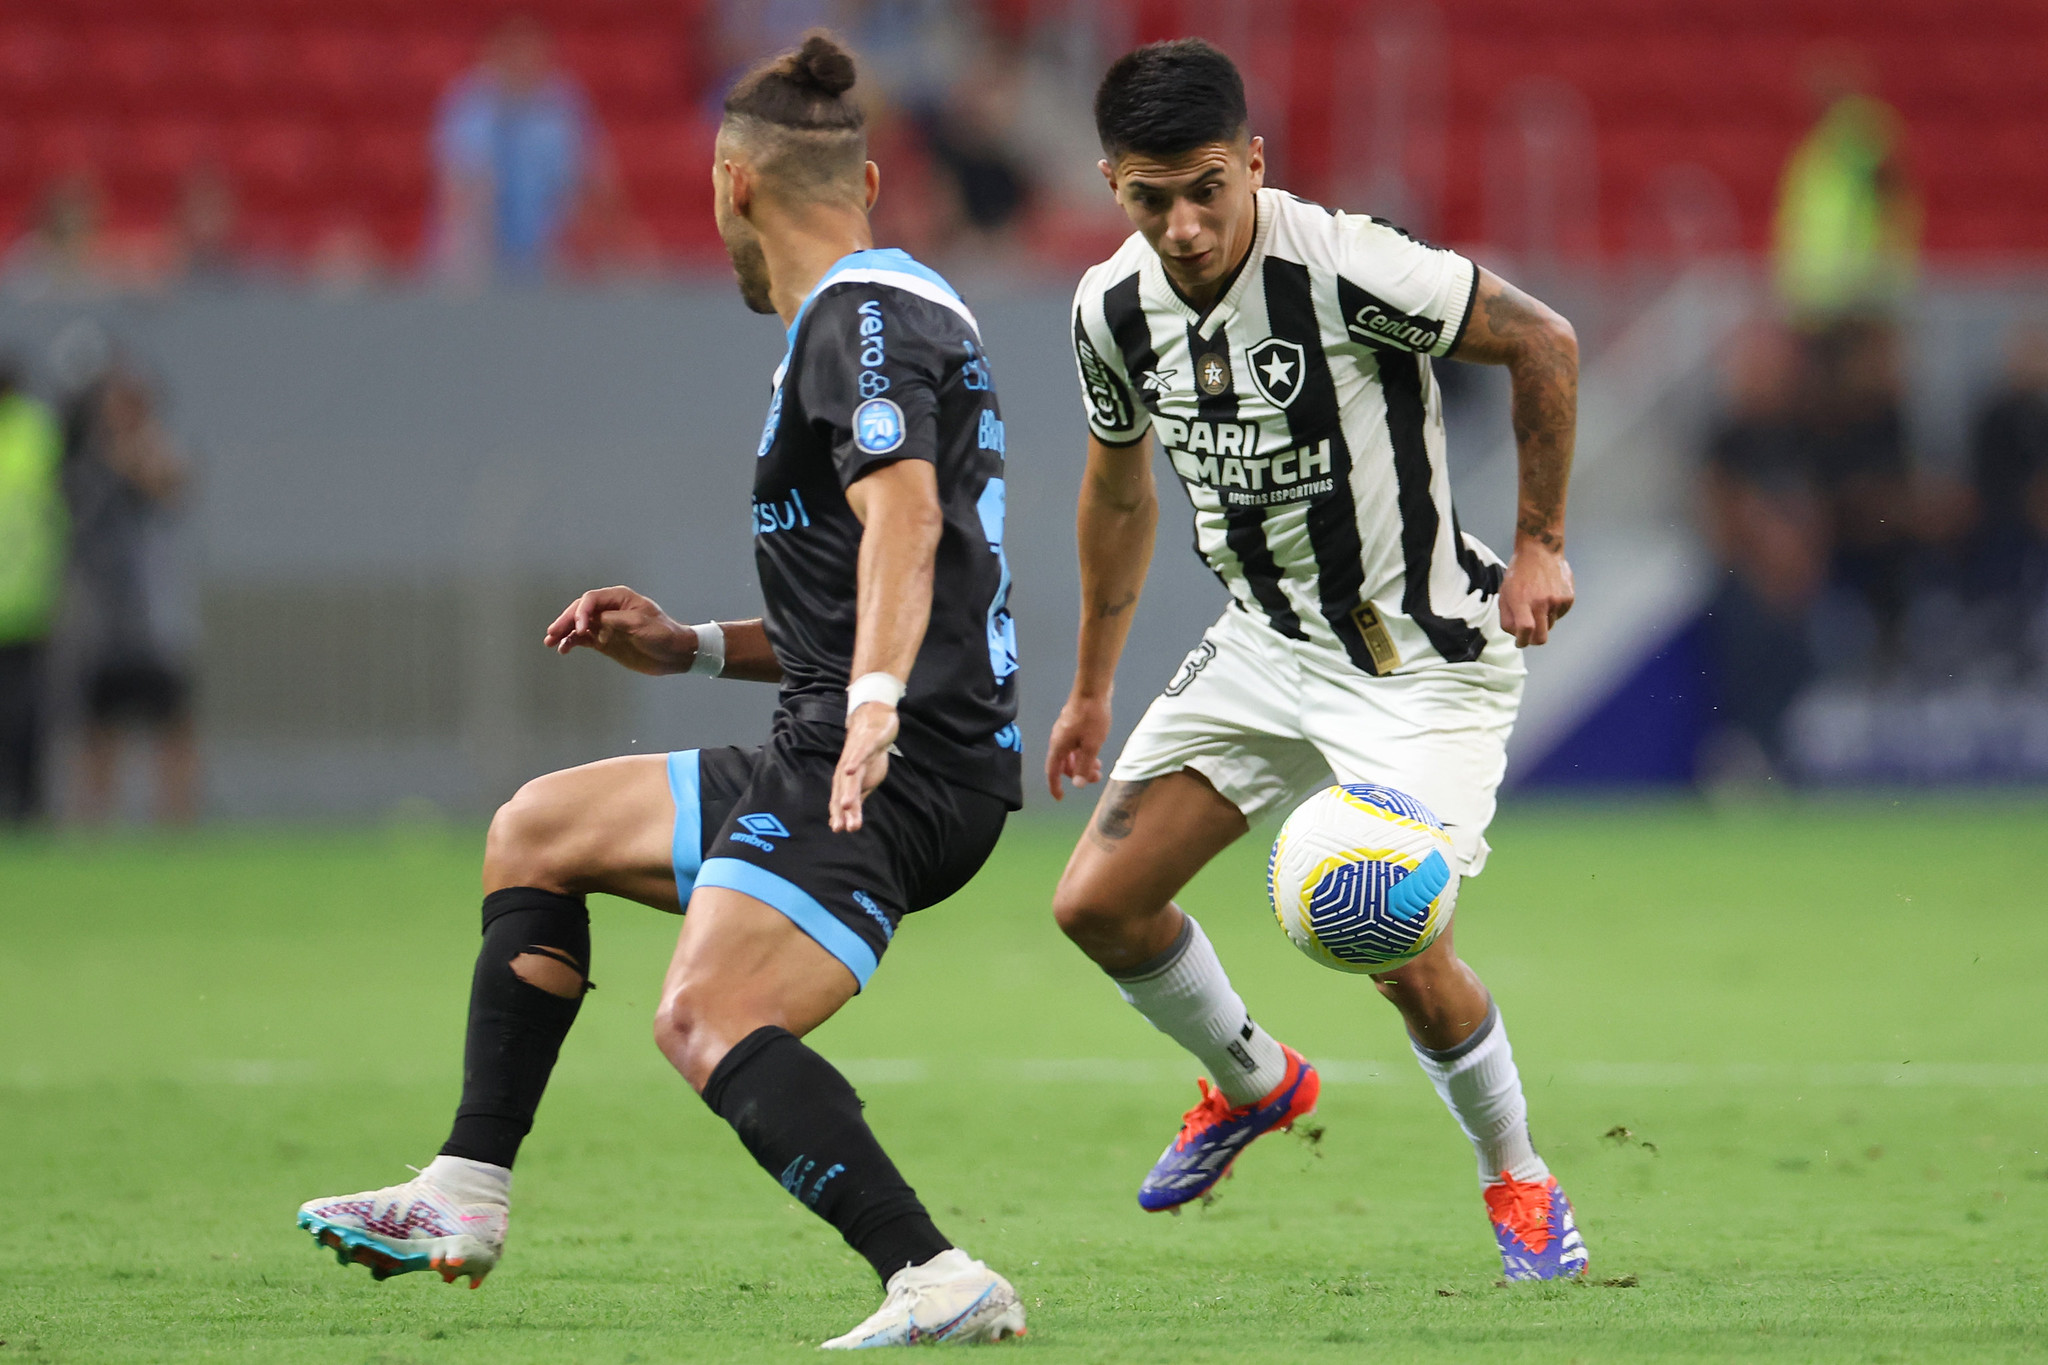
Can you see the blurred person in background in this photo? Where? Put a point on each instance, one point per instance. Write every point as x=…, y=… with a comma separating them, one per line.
x=1767, y=523
x=32, y=532
x=969, y=135
x=2009, y=466
x=1847, y=228
x=201, y=237
x=65, y=250
x=513, y=141
x=1855, y=435
x=123, y=478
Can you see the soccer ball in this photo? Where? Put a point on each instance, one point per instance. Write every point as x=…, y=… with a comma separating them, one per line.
x=1361, y=877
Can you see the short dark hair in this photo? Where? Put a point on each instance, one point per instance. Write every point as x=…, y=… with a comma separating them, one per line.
x=1163, y=99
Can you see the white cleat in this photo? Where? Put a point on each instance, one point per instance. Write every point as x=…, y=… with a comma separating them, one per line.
x=951, y=1298
x=415, y=1226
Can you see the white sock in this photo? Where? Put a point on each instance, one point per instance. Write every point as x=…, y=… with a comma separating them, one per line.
x=1187, y=997
x=1480, y=1086
x=470, y=1182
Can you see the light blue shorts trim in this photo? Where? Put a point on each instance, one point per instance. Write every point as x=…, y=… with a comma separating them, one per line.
x=687, y=851
x=801, y=907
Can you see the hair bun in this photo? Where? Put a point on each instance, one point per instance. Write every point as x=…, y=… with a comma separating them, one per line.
x=822, y=65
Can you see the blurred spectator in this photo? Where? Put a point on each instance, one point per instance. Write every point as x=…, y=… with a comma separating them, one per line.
x=513, y=141
x=1767, y=524
x=32, y=530
x=65, y=251
x=1848, y=223
x=969, y=136
x=2009, y=465
x=123, y=479
x=202, y=235
x=1856, y=437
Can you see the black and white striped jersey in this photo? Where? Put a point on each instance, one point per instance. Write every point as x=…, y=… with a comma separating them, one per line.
x=1302, y=416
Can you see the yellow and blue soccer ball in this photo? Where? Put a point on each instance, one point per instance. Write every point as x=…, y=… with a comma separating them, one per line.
x=1361, y=877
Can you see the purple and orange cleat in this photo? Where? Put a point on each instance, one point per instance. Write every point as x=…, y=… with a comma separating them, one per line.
x=1213, y=1133
x=1532, y=1221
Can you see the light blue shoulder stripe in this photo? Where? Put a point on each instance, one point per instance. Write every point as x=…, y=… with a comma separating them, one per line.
x=799, y=905
x=886, y=265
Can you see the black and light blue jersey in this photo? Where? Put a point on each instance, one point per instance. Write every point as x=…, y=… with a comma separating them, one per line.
x=885, y=363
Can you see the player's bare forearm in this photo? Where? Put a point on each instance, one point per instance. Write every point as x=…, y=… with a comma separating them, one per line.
x=1541, y=353
x=1114, y=525
x=901, y=521
x=1118, y=512
x=898, y=506
x=631, y=629
x=748, y=655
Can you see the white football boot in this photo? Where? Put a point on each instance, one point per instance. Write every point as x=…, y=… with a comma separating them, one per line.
x=450, y=1219
x=951, y=1298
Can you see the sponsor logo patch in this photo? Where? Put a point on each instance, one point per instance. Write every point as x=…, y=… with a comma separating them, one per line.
x=1108, y=399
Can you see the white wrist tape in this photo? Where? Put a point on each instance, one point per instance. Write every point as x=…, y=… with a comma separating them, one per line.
x=710, y=649
x=885, y=688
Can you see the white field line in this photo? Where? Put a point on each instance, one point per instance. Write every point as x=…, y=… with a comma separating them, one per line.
x=875, y=1071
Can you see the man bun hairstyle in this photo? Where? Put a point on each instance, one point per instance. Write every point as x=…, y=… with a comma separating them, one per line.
x=1164, y=99
x=802, y=89
x=793, y=112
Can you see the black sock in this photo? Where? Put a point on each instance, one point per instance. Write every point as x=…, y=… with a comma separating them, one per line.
x=515, y=1028
x=802, y=1122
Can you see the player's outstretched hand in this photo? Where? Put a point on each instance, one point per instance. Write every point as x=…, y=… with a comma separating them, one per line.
x=863, y=763
x=1075, y=753
x=1536, y=593
x=624, y=625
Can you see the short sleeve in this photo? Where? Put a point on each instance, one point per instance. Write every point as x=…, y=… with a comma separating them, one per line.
x=1113, y=415
x=869, y=378
x=1401, y=292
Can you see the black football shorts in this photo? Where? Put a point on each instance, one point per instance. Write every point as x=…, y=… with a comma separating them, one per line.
x=756, y=821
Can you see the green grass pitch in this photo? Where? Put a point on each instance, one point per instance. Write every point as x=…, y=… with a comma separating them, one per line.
x=1823, y=1028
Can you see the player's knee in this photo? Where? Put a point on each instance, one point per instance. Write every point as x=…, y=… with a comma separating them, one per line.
x=682, y=1031
x=1081, y=914
x=528, y=843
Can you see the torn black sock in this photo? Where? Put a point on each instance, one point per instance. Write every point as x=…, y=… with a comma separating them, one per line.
x=515, y=1028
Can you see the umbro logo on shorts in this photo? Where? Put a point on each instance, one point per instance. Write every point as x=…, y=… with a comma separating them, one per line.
x=753, y=829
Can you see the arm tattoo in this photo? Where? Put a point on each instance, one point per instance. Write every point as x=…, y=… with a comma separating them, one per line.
x=1106, y=611
x=1545, y=378
x=1118, y=811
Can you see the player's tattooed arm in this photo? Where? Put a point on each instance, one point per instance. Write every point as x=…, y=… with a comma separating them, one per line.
x=1541, y=353
x=1114, y=525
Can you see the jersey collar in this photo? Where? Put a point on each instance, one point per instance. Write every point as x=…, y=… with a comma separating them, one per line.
x=1233, y=294
x=874, y=258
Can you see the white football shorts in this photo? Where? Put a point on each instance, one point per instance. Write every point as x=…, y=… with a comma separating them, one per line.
x=1268, y=720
